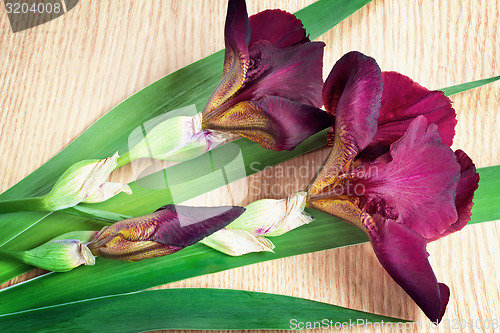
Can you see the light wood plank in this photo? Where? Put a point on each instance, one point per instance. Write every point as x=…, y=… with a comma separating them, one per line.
x=58, y=78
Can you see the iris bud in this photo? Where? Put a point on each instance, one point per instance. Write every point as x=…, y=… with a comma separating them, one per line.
x=60, y=254
x=170, y=229
x=84, y=181
x=176, y=139
x=261, y=219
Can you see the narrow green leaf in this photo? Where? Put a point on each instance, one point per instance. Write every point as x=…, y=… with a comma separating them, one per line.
x=207, y=309
x=323, y=13
x=487, y=197
x=190, y=85
x=110, y=277
x=469, y=85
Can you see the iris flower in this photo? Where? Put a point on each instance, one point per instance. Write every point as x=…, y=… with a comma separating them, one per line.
x=271, y=89
x=270, y=92
x=392, y=173
x=169, y=229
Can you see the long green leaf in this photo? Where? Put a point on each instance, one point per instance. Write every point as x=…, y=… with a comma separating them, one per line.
x=212, y=309
x=469, y=85
x=110, y=277
x=192, y=84
x=144, y=201
x=107, y=277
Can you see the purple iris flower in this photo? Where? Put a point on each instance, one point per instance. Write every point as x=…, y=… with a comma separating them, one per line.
x=392, y=173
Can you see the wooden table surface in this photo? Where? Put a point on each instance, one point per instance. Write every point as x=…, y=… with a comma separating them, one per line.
x=58, y=78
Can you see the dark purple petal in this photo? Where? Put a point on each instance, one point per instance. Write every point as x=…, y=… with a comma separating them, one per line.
x=402, y=253
x=418, y=186
x=468, y=183
x=237, y=59
x=402, y=101
x=162, y=232
x=188, y=225
x=280, y=66
x=294, y=73
x=273, y=122
x=353, y=93
x=280, y=28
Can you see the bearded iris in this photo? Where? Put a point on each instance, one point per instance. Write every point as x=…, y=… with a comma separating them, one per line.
x=270, y=92
x=392, y=173
x=272, y=80
x=165, y=231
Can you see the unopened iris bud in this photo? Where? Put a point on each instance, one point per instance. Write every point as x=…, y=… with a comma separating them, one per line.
x=84, y=181
x=60, y=254
x=176, y=139
x=262, y=218
x=168, y=230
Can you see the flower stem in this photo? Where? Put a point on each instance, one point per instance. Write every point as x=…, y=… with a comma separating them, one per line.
x=37, y=204
x=12, y=254
x=122, y=160
x=95, y=214
x=21, y=205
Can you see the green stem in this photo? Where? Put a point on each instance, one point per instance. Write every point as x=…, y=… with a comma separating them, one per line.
x=122, y=160
x=12, y=254
x=95, y=214
x=37, y=204
x=22, y=205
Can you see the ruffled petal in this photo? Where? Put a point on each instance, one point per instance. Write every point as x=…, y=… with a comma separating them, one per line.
x=402, y=101
x=237, y=36
x=273, y=122
x=280, y=28
x=352, y=93
x=402, y=253
x=418, y=186
x=467, y=185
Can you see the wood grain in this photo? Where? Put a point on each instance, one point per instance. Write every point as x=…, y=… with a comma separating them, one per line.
x=58, y=78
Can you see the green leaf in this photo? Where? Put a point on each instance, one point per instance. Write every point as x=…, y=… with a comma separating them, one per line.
x=487, y=196
x=469, y=85
x=192, y=84
x=214, y=309
x=110, y=277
